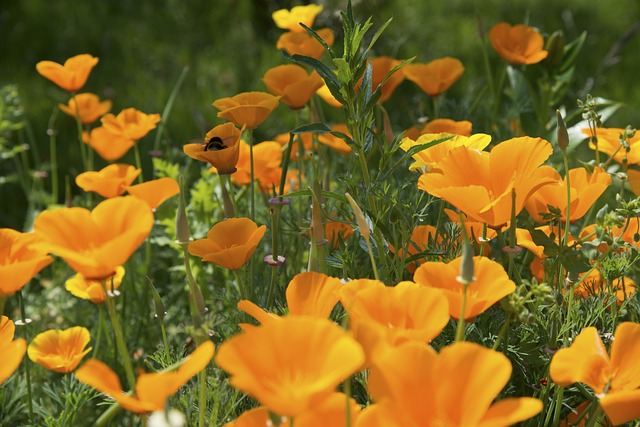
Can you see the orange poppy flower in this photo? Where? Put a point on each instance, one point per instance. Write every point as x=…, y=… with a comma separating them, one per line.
x=335, y=143
x=609, y=143
x=19, y=260
x=304, y=43
x=229, y=243
x=87, y=107
x=381, y=316
x=293, y=84
x=247, y=109
x=94, y=290
x=614, y=378
x=481, y=184
x=108, y=145
x=518, y=44
x=72, y=75
x=221, y=148
x=12, y=350
x=312, y=294
x=633, y=176
x=436, y=76
x=594, y=284
x=328, y=97
x=60, y=350
x=490, y=284
x=131, y=123
x=301, y=360
x=585, y=190
x=152, y=390
x=462, y=128
x=425, y=159
x=408, y=384
x=94, y=243
x=267, y=157
x=155, y=192
x=291, y=19
x=335, y=231
x=380, y=66
x=110, y=181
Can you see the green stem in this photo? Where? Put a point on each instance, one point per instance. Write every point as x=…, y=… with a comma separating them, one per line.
x=460, y=330
x=83, y=148
x=168, y=106
x=228, y=201
x=2, y=303
x=27, y=365
x=96, y=348
x=373, y=261
x=252, y=184
x=568, y=212
x=120, y=342
x=165, y=341
x=136, y=152
x=202, y=397
x=502, y=333
x=52, y=132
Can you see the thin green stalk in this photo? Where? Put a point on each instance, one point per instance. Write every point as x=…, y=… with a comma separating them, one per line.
x=565, y=239
x=460, y=330
x=136, y=152
x=252, y=184
x=373, y=261
x=96, y=348
x=168, y=107
x=228, y=200
x=2, y=303
x=195, y=295
x=27, y=365
x=202, y=397
x=502, y=333
x=558, y=406
x=83, y=147
x=120, y=342
x=52, y=132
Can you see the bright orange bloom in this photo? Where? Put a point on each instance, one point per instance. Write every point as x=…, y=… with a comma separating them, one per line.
x=152, y=390
x=247, y=109
x=293, y=84
x=481, y=184
x=110, y=181
x=301, y=360
x=633, y=176
x=131, y=123
x=380, y=66
x=518, y=44
x=595, y=284
x=425, y=159
x=490, y=284
x=609, y=143
x=229, y=243
x=328, y=97
x=615, y=379
x=312, y=294
x=335, y=231
x=19, y=260
x=436, y=76
x=108, y=145
x=87, y=107
x=381, y=316
x=94, y=243
x=60, y=350
x=291, y=19
x=462, y=128
x=304, y=43
x=221, y=148
x=337, y=144
x=585, y=190
x=12, y=350
x=408, y=384
x=155, y=192
x=267, y=157
x=72, y=75
x=95, y=291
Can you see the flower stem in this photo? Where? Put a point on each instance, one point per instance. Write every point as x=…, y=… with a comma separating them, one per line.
x=460, y=330
x=136, y=151
x=52, y=132
x=120, y=341
x=252, y=184
x=2, y=302
x=27, y=365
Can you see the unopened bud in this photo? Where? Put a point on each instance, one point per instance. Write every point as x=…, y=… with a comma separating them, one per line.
x=562, y=135
x=466, y=266
x=365, y=231
x=157, y=301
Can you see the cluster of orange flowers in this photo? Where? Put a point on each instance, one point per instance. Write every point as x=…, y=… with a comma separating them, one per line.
x=293, y=364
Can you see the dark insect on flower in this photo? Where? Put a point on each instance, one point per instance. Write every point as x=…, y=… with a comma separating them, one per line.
x=215, y=144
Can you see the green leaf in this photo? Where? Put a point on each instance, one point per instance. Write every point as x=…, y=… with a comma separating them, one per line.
x=378, y=33
x=551, y=248
x=571, y=51
x=320, y=40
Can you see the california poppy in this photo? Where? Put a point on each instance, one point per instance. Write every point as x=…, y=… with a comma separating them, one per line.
x=72, y=75
x=462, y=128
x=334, y=142
x=12, y=350
x=301, y=360
x=407, y=381
x=131, y=123
x=221, y=148
x=293, y=84
x=95, y=291
x=229, y=243
x=614, y=378
x=312, y=294
x=291, y=19
x=425, y=159
x=152, y=390
x=94, y=243
x=382, y=316
x=303, y=43
x=482, y=184
x=110, y=146
x=436, y=76
x=110, y=181
x=336, y=231
x=155, y=192
x=20, y=260
x=267, y=157
x=380, y=67
x=247, y=109
x=490, y=284
x=87, y=107
x=585, y=189
x=609, y=143
x=60, y=350
x=518, y=44
x=328, y=97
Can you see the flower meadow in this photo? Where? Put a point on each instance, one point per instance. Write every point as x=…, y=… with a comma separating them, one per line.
x=475, y=269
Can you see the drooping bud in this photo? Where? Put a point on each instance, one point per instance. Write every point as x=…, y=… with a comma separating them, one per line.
x=562, y=135
x=365, y=231
x=466, y=276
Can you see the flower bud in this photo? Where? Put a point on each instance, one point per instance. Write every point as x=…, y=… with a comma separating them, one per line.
x=563, y=135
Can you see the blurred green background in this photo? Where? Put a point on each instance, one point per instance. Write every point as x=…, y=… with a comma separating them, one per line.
x=228, y=45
